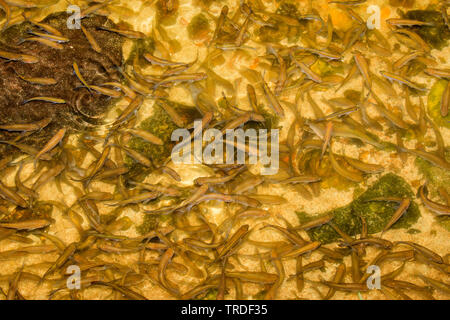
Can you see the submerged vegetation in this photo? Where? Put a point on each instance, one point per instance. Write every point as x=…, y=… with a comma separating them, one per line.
x=437, y=34
x=160, y=125
x=375, y=213
x=198, y=28
x=436, y=178
x=100, y=189
x=435, y=98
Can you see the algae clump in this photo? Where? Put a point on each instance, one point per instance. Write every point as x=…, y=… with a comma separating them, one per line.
x=324, y=68
x=199, y=27
x=376, y=213
x=149, y=223
x=162, y=126
x=436, y=178
x=434, y=103
x=436, y=35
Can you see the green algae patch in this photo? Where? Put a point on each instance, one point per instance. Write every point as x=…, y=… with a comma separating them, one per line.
x=162, y=126
x=324, y=68
x=436, y=178
x=210, y=294
x=376, y=213
x=149, y=223
x=444, y=221
x=139, y=48
x=434, y=104
x=199, y=27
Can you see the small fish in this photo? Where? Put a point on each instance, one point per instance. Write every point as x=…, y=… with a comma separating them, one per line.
x=186, y=77
x=53, y=37
x=344, y=130
x=132, y=108
x=126, y=33
x=407, y=22
x=386, y=244
x=98, y=164
x=44, y=41
x=138, y=87
x=351, y=73
x=398, y=78
x=97, y=196
x=46, y=27
x=302, y=250
x=25, y=58
x=439, y=285
x=46, y=99
x=21, y=187
x=440, y=73
x=162, y=62
x=327, y=138
x=215, y=180
x=365, y=167
x=28, y=4
x=90, y=38
x=232, y=242
x=25, y=148
x=106, y=91
x=91, y=9
x=126, y=90
x=168, y=285
x=109, y=173
x=363, y=67
x=348, y=2
x=344, y=172
x=347, y=286
x=338, y=278
x=57, y=138
x=138, y=157
x=299, y=179
x=62, y=259
x=80, y=77
x=8, y=194
x=51, y=173
x=321, y=53
x=439, y=209
x=434, y=159
x=27, y=224
x=254, y=277
x=424, y=251
x=40, y=81
x=416, y=39
x=13, y=285
x=403, y=61
x=146, y=136
x=339, y=114
x=25, y=127
x=173, y=114
x=143, y=197
x=306, y=70
x=273, y=101
x=404, y=205
x=158, y=188
x=315, y=222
